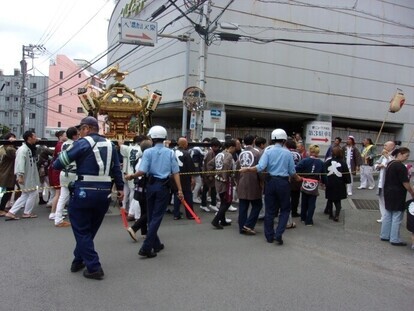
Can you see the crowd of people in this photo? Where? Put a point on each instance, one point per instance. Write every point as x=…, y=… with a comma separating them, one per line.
x=268, y=180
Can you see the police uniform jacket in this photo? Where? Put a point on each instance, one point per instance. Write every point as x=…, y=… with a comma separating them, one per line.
x=86, y=162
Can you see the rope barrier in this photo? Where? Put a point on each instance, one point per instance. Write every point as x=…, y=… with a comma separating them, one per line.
x=39, y=188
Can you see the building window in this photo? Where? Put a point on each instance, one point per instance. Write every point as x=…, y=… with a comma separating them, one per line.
x=59, y=124
x=14, y=129
x=61, y=75
x=79, y=110
x=6, y=114
x=7, y=83
x=79, y=76
x=60, y=91
x=33, y=85
x=32, y=100
x=60, y=109
x=7, y=98
x=32, y=129
x=16, y=99
x=15, y=114
x=32, y=116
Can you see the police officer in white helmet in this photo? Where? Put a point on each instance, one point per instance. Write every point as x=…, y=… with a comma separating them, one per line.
x=278, y=162
x=158, y=163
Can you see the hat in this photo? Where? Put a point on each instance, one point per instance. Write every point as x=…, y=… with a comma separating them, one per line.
x=90, y=121
x=351, y=137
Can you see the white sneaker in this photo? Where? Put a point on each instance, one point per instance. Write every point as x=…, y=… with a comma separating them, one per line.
x=232, y=208
x=204, y=208
x=360, y=187
x=379, y=220
x=65, y=212
x=228, y=220
x=213, y=208
x=349, y=193
x=52, y=216
x=371, y=187
x=197, y=200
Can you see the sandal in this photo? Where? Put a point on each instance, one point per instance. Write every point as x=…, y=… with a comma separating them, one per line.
x=248, y=231
x=3, y=213
x=10, y=216
x=26, y=216
x=291, y=226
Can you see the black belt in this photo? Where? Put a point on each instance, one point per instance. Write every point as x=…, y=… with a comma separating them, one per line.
x=280, y=177
x=160, y=179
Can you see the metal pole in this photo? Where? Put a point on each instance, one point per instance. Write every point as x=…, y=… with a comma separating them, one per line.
x=23, y=67
x=186, y=85
x=202, y=65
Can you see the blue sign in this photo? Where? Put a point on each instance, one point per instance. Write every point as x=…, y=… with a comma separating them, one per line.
x=215, y=113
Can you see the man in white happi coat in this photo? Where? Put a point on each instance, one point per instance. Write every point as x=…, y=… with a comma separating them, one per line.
x=25, y=169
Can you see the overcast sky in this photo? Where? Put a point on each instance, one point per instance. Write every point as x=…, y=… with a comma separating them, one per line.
x=55, y=24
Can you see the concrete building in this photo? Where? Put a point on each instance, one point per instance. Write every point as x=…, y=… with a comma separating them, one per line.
x=35, y=103
x=64, y=107
x=269, y=64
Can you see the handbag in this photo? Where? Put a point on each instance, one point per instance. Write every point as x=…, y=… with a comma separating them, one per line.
x=310, y=186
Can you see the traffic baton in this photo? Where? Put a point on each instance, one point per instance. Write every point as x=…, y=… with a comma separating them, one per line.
x=124, y=217
x=196, y=218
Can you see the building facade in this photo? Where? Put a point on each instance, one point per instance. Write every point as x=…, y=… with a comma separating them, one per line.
x=66, y=77
x=32, y=102
x=269, y=64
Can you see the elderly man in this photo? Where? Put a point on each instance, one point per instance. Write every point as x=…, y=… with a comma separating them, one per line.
x=27, y=177
x=186, y=165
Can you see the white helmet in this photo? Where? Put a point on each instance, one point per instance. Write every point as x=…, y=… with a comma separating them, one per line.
x=157, y=132
x=279, y=134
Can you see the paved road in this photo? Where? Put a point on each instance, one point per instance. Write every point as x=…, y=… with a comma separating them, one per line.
x=331, y=266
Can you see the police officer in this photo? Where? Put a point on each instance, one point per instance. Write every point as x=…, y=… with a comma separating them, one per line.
x=158, y=163
x=96, y=160
x=278, y=162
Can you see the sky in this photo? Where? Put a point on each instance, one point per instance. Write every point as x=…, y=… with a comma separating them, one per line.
x=75, y=28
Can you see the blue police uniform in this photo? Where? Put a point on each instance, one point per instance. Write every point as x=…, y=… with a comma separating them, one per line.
x=279, y=164
x=96, y=160
x=158, y=163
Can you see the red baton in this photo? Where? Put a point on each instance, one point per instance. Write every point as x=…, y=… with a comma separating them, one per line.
x=196, y=218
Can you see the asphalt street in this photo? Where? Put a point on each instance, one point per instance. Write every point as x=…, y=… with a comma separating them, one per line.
x=330, y=266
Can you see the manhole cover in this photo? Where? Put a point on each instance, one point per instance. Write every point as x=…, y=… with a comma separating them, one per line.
x=366, y=204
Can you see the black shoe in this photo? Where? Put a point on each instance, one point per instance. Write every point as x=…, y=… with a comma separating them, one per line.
x=224, y=223
x=148, y=254
x=177, y=218
x=385, y=240
x=97, y=275
x=159, y=248
x=279, y=240
x=399, y=244
x=270, y=240
x=336, y=219
x=216, y=225
x=295, y=215
x=77, y=266
x=42, y=202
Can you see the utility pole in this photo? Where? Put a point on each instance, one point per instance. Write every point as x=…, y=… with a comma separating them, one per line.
x=27, y=51
x=202, y=62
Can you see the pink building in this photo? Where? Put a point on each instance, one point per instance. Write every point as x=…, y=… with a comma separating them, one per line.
x=64, y=107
